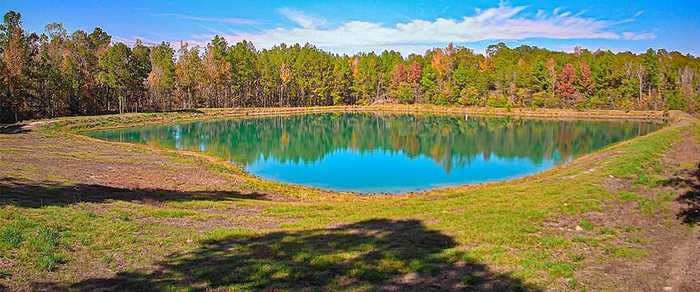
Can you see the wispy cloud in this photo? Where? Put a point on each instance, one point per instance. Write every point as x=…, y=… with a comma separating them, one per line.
x=304, y=20
x=220, y=20
x=638, y=36
x=503, y=22
x=131, y=41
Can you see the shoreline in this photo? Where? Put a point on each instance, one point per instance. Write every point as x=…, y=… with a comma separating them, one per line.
x=219, y=114
x=98, y=122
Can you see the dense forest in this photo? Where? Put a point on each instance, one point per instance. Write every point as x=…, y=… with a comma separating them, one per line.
x=57, y=73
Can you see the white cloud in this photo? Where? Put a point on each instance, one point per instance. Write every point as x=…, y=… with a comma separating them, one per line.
x=302, y=19
x=502, y=22
x=220, y=20
x=131, y=41
x=638, y=36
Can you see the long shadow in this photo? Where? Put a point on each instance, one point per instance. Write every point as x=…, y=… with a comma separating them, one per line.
x=32, y=194
x=378, y=254
x=13, y=129
x=690, y=212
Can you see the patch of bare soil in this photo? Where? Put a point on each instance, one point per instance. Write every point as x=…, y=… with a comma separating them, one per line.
x=654, y=247
x=38, y=169
x=88, y=170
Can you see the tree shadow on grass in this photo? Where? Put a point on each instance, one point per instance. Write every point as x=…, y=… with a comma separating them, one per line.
x=690, y=199
x=14, y=129
x=376, y=254
x=32, y=194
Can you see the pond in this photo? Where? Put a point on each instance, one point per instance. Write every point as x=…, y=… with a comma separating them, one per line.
x=387, y=153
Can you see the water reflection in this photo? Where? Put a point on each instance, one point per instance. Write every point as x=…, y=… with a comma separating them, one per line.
x=369, y=152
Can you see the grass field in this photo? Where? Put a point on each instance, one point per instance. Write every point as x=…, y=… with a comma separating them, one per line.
x=79, y=213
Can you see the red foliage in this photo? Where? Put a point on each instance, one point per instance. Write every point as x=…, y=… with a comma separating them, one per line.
x=565, y=85
x=585, y=81
x=414, y=72
x=406, y=73
x=398, y=75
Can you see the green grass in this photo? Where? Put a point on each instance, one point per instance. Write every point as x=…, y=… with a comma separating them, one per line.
x=628, y=196
x=341, y=242
x=650, y=204
x=32, y=242
x=625, y=252
x=168, y=213
x=11, y=236
x=45, y=245
x=586, y=225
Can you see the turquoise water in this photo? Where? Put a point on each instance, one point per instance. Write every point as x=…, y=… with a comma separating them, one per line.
x=376, y=153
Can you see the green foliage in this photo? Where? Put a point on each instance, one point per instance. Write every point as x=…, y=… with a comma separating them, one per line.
x=81, y=73
x=497, y=101
x=469, y=96
x=544, y=99
x=11, y=236
x=586, y=225
x=45, y=244
x=404, y=93
x=676, y=102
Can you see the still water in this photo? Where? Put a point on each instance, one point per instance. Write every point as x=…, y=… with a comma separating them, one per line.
x=369, y=152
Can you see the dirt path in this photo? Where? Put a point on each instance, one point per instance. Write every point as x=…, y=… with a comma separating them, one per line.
x=684, y=272
x=685, y=265
x=660, y=222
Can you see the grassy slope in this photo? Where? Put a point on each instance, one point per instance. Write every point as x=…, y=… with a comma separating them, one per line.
x=497, y=232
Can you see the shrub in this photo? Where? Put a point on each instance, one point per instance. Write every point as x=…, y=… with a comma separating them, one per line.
x=544, y=99
x=499, y=101
x=676, y=102
x=469, y=96
x=598, y=101
x=404, y=94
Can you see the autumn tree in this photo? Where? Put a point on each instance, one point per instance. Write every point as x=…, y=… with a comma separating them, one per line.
x=216, y=84
x=284, y=77
x=14, y=60
x=551, y=66
x=161, y=79
x=188, y=76
x=566, y=88
x=59, y=73
x=585, y=80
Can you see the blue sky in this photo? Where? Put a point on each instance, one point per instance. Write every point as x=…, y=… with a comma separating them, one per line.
x=407, y=26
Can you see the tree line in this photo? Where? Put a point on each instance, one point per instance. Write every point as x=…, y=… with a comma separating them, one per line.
x=55, y=73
